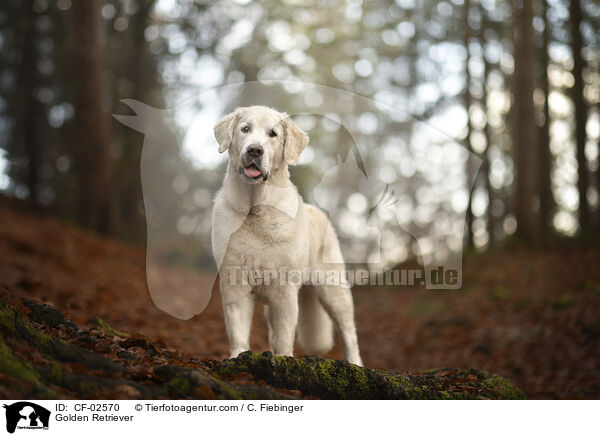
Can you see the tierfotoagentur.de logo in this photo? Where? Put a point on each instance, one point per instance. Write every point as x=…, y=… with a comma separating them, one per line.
x=25, y=415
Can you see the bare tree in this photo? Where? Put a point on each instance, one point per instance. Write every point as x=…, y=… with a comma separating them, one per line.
x=545, y=184
x=467, y=102
x=575, y=16
x=93, y=129
x=524, y=142
x=491, y=223
x=32, y=109
x=140, y=69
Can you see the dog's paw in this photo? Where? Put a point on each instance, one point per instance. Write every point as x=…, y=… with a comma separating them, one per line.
x=235, y=353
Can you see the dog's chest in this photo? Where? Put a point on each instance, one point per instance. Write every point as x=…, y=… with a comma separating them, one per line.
x=268, y=238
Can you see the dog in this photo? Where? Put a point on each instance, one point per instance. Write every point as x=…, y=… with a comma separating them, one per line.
x=260, y=224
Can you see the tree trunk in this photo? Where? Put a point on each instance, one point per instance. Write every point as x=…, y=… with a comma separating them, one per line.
x=32, y=109
x=491, y=222
x=92, y=118
x=140, y=70
x=580, y=113
x=524, y=141
x=467, y=101
x=545, y=187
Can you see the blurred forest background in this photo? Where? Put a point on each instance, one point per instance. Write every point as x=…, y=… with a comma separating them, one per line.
x=515, y=82
x=519, y=82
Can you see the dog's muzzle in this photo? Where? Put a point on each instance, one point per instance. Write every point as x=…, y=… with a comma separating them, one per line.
x=251, y=167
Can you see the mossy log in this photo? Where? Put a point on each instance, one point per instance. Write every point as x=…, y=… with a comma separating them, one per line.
x=45, y=355
x=338, y=379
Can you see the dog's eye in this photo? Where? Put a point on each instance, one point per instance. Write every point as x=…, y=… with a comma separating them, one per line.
x=245, y=129
x=272, y=133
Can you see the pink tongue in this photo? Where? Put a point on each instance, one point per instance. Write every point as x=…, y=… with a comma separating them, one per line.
x=251, y=172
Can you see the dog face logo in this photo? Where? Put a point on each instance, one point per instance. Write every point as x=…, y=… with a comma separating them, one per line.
x=26, y=415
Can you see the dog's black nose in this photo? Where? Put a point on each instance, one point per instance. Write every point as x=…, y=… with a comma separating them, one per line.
x=255, y=151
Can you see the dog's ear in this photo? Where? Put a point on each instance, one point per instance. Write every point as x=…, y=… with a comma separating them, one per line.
x=224, y=129
x=295, y=141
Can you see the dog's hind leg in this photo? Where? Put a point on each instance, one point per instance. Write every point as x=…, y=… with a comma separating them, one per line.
x=337, y=301
x=315, y=329
x=238, y=318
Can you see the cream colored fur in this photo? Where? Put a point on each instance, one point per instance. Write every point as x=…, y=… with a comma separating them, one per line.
x=263, y=225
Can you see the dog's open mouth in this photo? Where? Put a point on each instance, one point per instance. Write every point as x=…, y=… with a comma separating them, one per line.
x=253, y=172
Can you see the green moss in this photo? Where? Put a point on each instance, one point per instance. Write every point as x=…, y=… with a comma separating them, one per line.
x=325, y=376
x=88, y=387
x=184, y=382
x=445, y=395
x=499, y=388
x=13, y=366
x=52, y=348
x=227, y=392
x=55, y=373
x=106, y=328
x=7, y=318
x=180, y=384
x=334, y=379
x=20, y=328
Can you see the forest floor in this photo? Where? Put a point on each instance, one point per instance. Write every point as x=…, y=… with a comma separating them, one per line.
x=532, y=317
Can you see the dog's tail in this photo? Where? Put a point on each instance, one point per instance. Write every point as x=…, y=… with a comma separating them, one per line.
x=315, y=328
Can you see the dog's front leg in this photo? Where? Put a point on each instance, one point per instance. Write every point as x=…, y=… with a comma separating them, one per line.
x=283, y=318
x=238, y=306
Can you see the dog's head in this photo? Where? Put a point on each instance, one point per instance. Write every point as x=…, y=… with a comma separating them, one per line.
x=260, y=141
